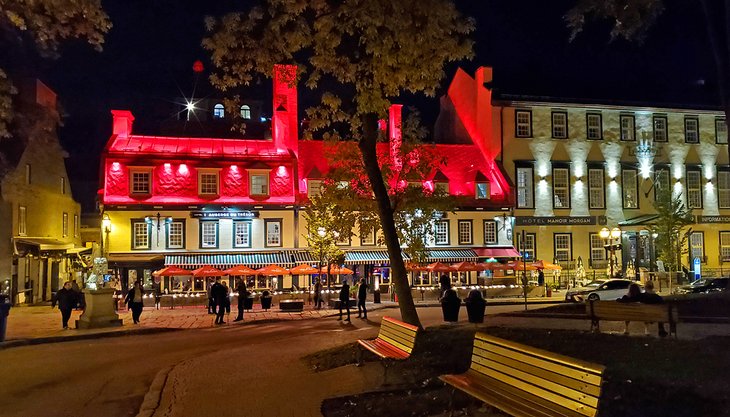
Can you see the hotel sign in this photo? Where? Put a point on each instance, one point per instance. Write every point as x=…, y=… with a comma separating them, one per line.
x=713, y=219
x=556, y=221
x=246, y=214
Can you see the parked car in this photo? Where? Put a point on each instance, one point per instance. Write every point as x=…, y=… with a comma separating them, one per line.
x=577, y=294
x=612, y=289
x=704, y=285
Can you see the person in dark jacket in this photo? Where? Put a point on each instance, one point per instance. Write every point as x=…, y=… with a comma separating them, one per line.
x=650, y=297
x=242, y=295
x=135, y=301
x=444, y=283
x=67, y=299
x=345, y=300
x=211, y=300
x=157, y=293
x=219, y=293
x=318, y=294
x=362, y=294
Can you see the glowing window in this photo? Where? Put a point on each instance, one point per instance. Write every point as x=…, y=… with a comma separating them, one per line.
x=661, y=181
x=660, y=129
x=691, y=130
x=64, y=225
x=694, y=189
x=260, y=184
x=524, y=188
x=175, y=235
x=725, y=246
x=76, y=226
x=490, y=231
x=441, y=232
x=314, y=188
x=560, y=125
x=140, y=235
x=273, y=232
x=563, y=246
x=482, y=191
x=561, y=188
x=208, y=183
x=598, y=251
x=697, y=246
x=245, y=112
x=465, y=235
x=208, y=234
x=219, y=111
x=720, y=131
x=140, y=181
x=523, y=123
x=630, y=188
x=242, y=234
x=628, y=132
x=594, y=126
x=723, y=189
x=22, y=220
x=528, y=247
x=596, y=188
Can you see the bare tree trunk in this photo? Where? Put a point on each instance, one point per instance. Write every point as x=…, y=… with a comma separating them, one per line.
x=387, y=221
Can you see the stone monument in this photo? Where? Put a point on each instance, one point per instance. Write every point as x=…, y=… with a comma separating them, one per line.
x=99, y=311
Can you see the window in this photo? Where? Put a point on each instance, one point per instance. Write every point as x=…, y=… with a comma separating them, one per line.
x=694, y=189
x=660, y=129
x=140, y=234
x=63, y=185
x=482, y=191
x=22, y=221
x=273, y=232
x=241, y=234
x=343, y=240
x=725, y=246
x=561, y=188
x=563, y=246
x=596, y=188
x=661, y=181
x=525, y=188
x=259, y=184
x=628, y=131
x=630, y=188
x=490, y=231
x=27, y=173
x=141, y=181
x=245, y=112
x=523, y=123
x=64, y=225
x=691, y=130
x=720, y=131
x=465, y=236
x=560, y=124
x=76, y=225
x=218, y=111
x=696, y=247
x=367, y=237
x=176, y=234
x=209, y=234
x=527, y=248
x=723, y=189
x=441, y=186
x=314, y=188
x=598, y=251
x=594, y=126
x=441, y=232
x=207, y=183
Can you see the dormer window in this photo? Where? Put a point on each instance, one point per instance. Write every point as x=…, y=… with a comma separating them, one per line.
x=481, y=187
x=208, y=182
x=140, y=181
x=245, y=112
x=219, y=111
x=440, y=182
x=314, y=188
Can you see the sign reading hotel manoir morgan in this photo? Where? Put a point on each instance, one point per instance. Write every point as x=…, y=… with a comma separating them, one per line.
x=555, y=220
x=245, y=214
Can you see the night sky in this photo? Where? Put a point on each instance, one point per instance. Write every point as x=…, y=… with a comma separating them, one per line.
x=148, y=55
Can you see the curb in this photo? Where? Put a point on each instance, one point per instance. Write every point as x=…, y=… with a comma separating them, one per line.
x=682, y=319
x=70, y=338
x=154, y=393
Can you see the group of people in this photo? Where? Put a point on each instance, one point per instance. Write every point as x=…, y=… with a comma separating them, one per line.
x=219, y=299
x=344, y=298
x=634, y=295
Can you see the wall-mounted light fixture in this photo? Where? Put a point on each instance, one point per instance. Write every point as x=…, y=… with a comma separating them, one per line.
x=543, y=178
x=579, y=179
x=613, y=179
x=678, y=180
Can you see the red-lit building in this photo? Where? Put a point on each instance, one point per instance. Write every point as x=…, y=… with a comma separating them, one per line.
x=189, y=202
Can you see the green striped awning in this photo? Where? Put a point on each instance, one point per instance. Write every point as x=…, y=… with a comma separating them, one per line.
x=367, y=256
x=251, y=259
x=436, y=255
x=451, y=255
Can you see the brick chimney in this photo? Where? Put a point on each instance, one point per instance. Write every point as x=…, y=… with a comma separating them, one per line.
x=285, y=121
x=122, y=123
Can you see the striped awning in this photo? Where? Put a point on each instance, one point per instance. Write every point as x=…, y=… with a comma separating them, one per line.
x=250, y=259
x=451, y=255
x=366, y=256
x=436, y=255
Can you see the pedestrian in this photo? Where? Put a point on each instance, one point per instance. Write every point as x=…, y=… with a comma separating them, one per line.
x=444, y=283
x=211, y=301
x=541, y=280
x=219, y=294
x=227, y=300
x=75, y=287
x=651, y=297
x=242, y=295
x=318, y=294
x=157, y=294
x=362, y=293
x=345, y=300
x=134, y=301
x=66, y=298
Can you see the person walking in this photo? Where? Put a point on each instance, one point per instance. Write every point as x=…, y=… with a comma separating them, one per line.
x=219, y=294
x=318, y=294
x=211, y=301
x=79, y=295
x=242, y=295
x=157, y=294
x=345, y=300
x=362, y=294
x=134, y=301
x=541, y=281
x=227, y=300
x=66, y=298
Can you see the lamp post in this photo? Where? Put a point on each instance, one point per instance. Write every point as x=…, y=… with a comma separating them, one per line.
x=612, y=242
x=321, y=232
x=106, y=228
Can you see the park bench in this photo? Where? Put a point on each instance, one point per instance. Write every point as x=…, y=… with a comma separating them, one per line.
x=525, y=381
x=291, y=305
x=647, y=313
x=395, y=341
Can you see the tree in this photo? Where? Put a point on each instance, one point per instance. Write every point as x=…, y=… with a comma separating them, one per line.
x=357, y=56
x=671, y=228
x=47, y=23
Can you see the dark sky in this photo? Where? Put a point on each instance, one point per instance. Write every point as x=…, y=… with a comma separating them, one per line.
x=148, y=55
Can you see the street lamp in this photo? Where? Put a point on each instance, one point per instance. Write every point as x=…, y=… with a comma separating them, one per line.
x=612, y=242
x=106, y=227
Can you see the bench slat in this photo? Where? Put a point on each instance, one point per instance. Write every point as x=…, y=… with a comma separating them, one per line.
x=405, y=334
x=615, y=311
x=383, y=350
x=397, y=339
x=411, y=327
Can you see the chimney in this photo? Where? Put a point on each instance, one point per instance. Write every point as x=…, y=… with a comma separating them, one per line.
x=285, y=120
x=395, y=135
x=122, y=123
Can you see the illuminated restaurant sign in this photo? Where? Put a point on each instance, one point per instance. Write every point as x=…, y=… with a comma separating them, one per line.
x=246, y=214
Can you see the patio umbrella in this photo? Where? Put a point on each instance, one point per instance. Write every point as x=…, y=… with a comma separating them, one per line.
x=207, y=271
x=495, y=266
x=415, y=267
x=272, y=269
x=303, y=269
x=521, y=266
x=240, y=270
x=172, y=271
x=439, y=267
x=465, y=266
x=546, y=265
x=337, y=270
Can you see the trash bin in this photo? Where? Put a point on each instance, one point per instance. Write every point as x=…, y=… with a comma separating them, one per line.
x=450, y=305
x=476, y=305
x=266, y=300
x=376, y=296
x=248, y=303
x=549, y=292
x=4, y=311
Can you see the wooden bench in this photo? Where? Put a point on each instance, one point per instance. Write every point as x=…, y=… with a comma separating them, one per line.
x=525, y=381
x=291, y=305
x=615, y=311
x=395, y=341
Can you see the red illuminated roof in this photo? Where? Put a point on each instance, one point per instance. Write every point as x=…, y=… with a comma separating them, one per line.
x=194, y=147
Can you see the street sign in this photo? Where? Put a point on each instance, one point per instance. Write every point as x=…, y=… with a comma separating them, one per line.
x=697, y=264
